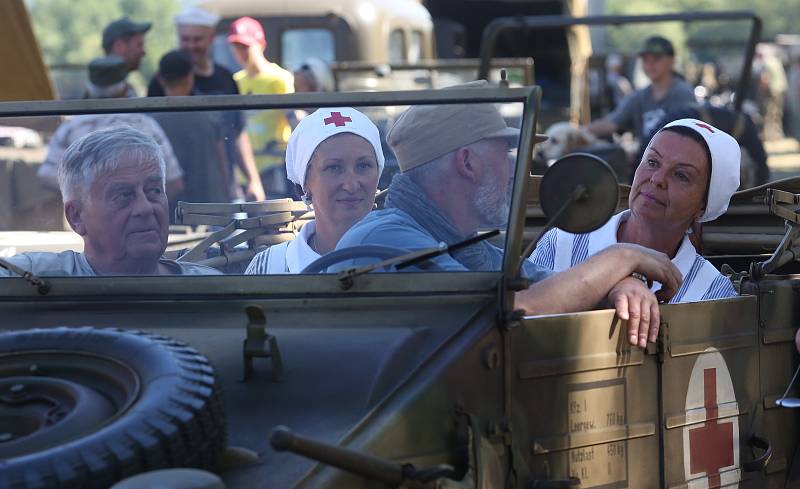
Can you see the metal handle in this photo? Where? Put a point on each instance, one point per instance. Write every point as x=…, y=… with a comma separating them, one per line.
x=758, y=464
x=391, y=473
x=555, y=484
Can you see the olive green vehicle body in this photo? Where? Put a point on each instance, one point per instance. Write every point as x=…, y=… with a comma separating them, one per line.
x=439, y=368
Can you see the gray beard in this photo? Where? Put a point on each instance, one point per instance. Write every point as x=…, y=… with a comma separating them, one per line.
x=493, y=203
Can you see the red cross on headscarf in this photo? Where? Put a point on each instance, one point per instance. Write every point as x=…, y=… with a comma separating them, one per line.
x=704, y=126
x=711, y=446
x=337, y=119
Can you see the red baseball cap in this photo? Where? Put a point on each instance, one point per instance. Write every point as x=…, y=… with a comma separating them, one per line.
x=247, y=31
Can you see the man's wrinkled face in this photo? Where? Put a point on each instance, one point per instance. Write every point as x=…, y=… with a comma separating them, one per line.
x=131, y=49
x=670, y=184
x=195, y=40
x=124, y=219
x=493, y=195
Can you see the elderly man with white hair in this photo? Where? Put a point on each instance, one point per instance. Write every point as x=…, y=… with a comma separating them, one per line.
x=112, y=184
x=195, y=28
x=456, y=178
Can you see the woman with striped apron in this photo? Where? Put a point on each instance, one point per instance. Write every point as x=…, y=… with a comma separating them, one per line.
x=335, y=155
x=687, y=176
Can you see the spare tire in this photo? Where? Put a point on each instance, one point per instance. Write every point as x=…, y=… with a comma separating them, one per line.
x=86, y=407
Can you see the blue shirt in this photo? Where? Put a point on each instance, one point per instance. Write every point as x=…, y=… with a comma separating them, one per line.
x=395, y=228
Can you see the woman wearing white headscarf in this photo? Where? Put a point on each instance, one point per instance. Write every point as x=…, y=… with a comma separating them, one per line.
x=335, y=155
x=687, y=175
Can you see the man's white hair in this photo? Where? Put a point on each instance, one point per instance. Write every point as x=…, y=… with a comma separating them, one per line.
x=101, y=152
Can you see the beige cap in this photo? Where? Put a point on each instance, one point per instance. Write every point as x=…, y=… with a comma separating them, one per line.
x=425, y=132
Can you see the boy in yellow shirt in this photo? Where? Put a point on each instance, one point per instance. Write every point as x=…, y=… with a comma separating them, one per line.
x=269, y=130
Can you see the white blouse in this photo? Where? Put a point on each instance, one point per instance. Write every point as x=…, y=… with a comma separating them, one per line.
x=289, y=257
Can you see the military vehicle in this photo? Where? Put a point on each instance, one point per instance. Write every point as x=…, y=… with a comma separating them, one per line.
x=399, y=379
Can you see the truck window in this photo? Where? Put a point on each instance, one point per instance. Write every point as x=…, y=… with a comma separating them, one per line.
x=397, y=46
x=222, y=54
x=298, y=45
x=415, y=48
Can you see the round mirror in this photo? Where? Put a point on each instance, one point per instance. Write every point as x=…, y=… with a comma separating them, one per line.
x=589, y=182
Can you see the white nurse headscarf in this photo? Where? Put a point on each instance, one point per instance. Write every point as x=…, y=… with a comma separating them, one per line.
x=318, y=127
x=726, y=157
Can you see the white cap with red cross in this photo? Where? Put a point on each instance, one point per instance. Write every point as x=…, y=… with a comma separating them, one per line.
x=726, y=158
x=319, y=126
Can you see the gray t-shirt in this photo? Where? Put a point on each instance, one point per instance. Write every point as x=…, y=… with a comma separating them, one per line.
x=640, y=113
x=74, y=264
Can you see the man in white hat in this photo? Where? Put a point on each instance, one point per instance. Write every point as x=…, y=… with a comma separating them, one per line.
x=195, y=36
x=456, y=178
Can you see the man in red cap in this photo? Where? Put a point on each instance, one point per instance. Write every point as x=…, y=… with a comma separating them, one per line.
x=268, y=129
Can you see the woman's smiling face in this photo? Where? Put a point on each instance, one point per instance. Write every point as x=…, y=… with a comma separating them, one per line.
x=342, y=178
x=670, y=184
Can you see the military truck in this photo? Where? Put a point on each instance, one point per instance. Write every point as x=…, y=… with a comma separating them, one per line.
x=399, y=379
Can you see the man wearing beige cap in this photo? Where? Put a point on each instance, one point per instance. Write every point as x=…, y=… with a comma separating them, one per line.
x=456, y=178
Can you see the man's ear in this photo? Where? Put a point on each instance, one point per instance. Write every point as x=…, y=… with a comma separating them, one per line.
x=73, y=210
x=466, y=164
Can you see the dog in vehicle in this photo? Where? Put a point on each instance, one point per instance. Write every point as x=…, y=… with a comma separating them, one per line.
x=564, y=138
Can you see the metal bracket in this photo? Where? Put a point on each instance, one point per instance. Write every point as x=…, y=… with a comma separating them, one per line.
x=662, y=344
x=788, y=250
x=260, y=344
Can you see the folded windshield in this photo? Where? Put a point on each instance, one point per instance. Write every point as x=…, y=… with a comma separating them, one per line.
x=254, y=190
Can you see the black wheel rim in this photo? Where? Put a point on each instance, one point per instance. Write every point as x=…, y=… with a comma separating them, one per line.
x=50, y=397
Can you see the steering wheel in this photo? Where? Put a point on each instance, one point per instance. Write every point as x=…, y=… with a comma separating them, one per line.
x=380, y=252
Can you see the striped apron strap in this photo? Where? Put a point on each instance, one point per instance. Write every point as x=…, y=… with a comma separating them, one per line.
x=702, y=281
x=276, y=259
x=564, y=244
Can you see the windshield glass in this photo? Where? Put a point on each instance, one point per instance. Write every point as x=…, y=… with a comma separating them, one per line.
x=182, y=192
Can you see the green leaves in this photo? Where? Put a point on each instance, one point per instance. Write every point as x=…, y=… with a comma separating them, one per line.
x=70, y=32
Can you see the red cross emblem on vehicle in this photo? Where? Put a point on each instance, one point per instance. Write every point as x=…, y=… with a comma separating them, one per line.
x=711, y=428
x=711, y=446
x=704, y=126
x=337, y=119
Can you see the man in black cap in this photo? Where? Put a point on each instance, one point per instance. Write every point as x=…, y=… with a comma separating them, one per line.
x=641, y=111
x=125, y=38
x=107, y=80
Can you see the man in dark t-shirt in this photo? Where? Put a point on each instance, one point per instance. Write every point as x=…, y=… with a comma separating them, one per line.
x=641, y=110
x=197, y=138
x=195, y=36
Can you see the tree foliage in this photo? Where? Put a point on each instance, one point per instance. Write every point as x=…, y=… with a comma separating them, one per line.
x=70, y=32
x=778, y=16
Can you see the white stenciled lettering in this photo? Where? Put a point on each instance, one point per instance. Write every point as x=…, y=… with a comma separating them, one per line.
x=597, y=408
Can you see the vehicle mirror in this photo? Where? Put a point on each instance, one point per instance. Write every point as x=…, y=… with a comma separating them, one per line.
x=579, y=193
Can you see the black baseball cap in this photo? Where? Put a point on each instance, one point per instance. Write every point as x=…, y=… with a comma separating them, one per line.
x=174, y=65
x=123, y=27
x=107, y=70
x=658, y=45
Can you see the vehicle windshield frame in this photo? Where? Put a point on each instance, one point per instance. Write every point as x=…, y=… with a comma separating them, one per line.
x=529, y=96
